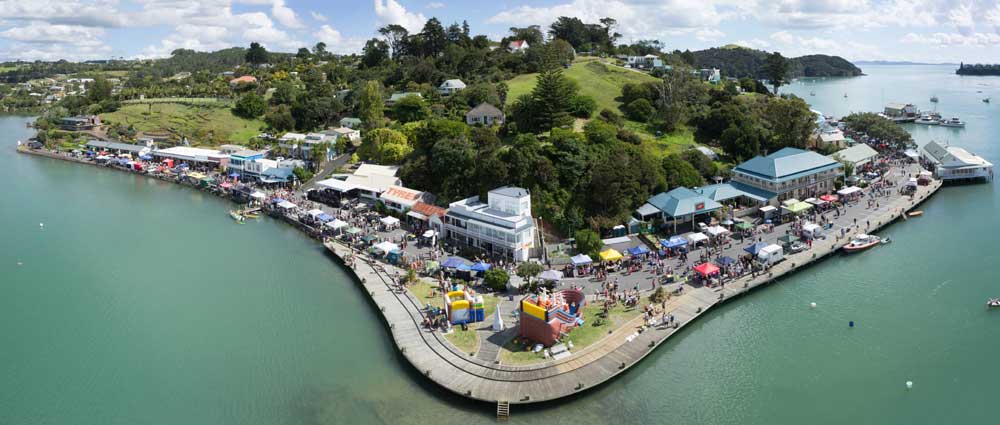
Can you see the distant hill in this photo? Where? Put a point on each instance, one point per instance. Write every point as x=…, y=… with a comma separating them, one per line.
x=736, y=61
x=899, y=63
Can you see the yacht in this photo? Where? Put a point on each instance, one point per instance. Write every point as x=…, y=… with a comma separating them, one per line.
x=928, y=120
x=953, y=122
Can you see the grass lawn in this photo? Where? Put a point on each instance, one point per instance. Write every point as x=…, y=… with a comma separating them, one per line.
x=676, y=142
x=596, y=79
x=466, y=340
x=517, y=351
x=202, y=125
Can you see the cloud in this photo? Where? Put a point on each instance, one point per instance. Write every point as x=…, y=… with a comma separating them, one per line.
x=940, y=39
x=391, y=12
x=791, y=45
x=336, y=42
x=755, y=43
x=961, y=18
x=434, y=5
x=41, y=32
x=318, y=16
x=100, y=13
x=285, y=15
x=709, y=35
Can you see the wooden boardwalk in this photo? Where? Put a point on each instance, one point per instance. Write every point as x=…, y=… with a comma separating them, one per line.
x=487, y=381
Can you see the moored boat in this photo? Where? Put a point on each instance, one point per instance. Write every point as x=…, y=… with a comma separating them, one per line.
x=917, y=213
x=934, y=99
x=928, y=120
x=236, y=216
x=862, y=242
x=953, y=122
x=993, y=302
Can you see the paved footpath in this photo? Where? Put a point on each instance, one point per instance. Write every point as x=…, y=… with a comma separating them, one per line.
x=489, y=381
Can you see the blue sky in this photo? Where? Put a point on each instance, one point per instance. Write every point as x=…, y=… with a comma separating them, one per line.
x=920, y=30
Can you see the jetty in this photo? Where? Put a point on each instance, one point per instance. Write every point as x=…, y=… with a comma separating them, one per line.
x=434, y=357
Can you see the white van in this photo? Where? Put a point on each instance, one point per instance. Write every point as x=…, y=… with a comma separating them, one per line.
x=770, y=254
x=812, y=231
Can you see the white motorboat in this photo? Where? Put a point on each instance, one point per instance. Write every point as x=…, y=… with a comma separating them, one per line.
x=953, y=122
x=993, y=302
x=928, y=120
x=862, y=242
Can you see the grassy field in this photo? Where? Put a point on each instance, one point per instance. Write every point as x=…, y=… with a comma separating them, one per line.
x=597, y=80
x=202, y=125
x=179, y=100
x=467, y=340
x=518, y=351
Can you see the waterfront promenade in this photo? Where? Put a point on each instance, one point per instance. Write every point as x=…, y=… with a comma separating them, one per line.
x=487, y=380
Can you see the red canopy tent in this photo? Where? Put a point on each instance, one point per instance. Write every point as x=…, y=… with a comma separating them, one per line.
x=706, y=269
x=829, y=198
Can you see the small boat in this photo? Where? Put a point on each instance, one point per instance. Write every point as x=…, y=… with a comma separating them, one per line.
x=236, y=216
x=934, y=99
x=862, y=242
x=927, y=120
x=986, y=100
x=812, y=93
x=845, y=95
x=993, y=302
x=953, y=122
x=915, y=213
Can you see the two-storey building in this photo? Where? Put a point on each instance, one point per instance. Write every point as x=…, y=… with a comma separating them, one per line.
x=501, y=226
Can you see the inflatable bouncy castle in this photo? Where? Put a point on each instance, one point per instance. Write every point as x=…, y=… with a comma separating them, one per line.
x=464, y=307
x=545, y=317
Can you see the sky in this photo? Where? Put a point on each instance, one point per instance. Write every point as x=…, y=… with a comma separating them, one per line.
x=914, y=30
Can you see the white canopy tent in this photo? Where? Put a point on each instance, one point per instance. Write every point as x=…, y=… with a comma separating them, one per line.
x=697, y=237
x=258, y=195
x=286, y=205
x=385, y=247
x=716, y=230
x=315, y=212
x=849, y=191
x=389, y=220
x=336, y=224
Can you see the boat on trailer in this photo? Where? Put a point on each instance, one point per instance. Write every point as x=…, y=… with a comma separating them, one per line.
x=862, y=242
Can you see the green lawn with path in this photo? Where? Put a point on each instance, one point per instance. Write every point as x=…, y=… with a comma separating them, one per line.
x=202, y=125
x=466, y=340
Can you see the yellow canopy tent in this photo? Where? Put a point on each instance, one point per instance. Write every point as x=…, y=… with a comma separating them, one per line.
x=611, y=255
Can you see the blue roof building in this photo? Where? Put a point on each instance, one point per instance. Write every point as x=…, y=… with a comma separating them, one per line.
x=789, y=173
x=680, y=205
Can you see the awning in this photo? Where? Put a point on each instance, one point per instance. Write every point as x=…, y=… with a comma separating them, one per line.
x=787, y=239
x=744, y=225
x=611, y=255
x=389, y=220
x=196, y=175
x=258, y=195
x=324, y=217
x=706, y=269
x=286, y=205
x=353, y=230
x=815, y=201
x=336, y=224
x=638, y=250
x=848, y=191
x=480, y=267
x=697, y=237
x=798, y=207
x=416, y=215
x=551, y=275
x=315, y=212
x=725, y=261
x=673, y=242
x=755, y=248
x=581, y=259
x=767, y=208
x=830, y=198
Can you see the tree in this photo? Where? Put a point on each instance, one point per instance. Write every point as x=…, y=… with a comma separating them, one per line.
x=553, y=96
x=319, y=49
x=744, y=141
x=528, y=270
x=315, y=112
x=374, y=53
x=396, y=36
x=582, y=106
x=371, y=106
x=257, y=54
x=99, y=90
x=639, y=110
x=701, y=162
x=588, y=242
x=776, y=69
x=303, y=53
x=280, y=118
x=680, y=173
x=433, y=37
x=385, y=146
x=410, y=108
x=284, y=93
x=496, y=279
x=250, y=106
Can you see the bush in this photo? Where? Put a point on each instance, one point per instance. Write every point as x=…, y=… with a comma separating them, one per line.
x=639, y=110
x=612, y=117
x=496, y=279
x=250, y=106
x=629, y=137
x=582, y=106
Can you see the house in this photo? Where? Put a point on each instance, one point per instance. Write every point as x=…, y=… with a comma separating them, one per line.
x=396, y=97
x=712, y=75
x=678, y=206
x=501, y=226
x=450, y=87
x=643, y=62
x=426, y=216
x=301, y=145
x=517, y=46
x=858, y=155
x=206, y=157
x=955, y=163
x=350, y=122
x=832, y=137
x=790, y=173
x=366, y=183
x=252, y=166
x=353, y=136
x=246, y=79
x=484, y=114
x=401, y=199
x=79, y=123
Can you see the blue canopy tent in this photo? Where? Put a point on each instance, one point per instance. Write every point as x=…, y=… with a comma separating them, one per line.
x=146, y=157
x=480, y=267
x=581, y=259
x=725, y=261
x=755, y=248
x=324, y=217
x=638, y=250
x=234, y=174
x=277, y=200
x=464, y=268
x=452, y=263
x=674, y=242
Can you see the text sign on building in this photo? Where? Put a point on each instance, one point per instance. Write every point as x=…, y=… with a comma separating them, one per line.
x=699, y=206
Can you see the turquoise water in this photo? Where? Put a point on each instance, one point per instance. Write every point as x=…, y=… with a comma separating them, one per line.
x=141, y=302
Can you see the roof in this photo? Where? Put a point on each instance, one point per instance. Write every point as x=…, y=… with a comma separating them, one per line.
x=832, y=136
x=380, y=170
x=517, y=44
x=707, y=152
x=350, y=120
x=954, y=157
x=787, y=163
x=189, y=153
x=484, y=109
x=453, y=84
x=397, y=96
x=243, y=79
x=401, y=195
x=247, y=153
x=116, y=146
x=511, y=191
x=725, y=191
x=428, y=209
x=344, y=130
x=856, y=154
x=682, y=201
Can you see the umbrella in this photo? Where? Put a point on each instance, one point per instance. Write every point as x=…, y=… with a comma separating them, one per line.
x=755, y=248
x=480, y=267
x=725, y=261
x=706, y=269
x=551, y=275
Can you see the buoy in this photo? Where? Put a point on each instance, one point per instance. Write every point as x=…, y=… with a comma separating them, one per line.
x=41, y=224
x=813, y=305
x=851, y=323
x=19, y=263
x=909, y=384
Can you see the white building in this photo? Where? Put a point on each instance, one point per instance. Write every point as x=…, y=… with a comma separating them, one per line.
x=353, y=136
x=301, y=145
x=400, y=199
x=450, y=87
x=503, y=225
x=193, y=155
x=955, y=163
x=368, y=182
x=857, y=155
x=517, y=46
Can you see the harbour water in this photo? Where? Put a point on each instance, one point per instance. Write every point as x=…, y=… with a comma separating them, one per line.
x=142, y=302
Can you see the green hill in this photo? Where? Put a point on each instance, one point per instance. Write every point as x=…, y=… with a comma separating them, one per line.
x=743, y=62
x=598, y=80
x=203, y=125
